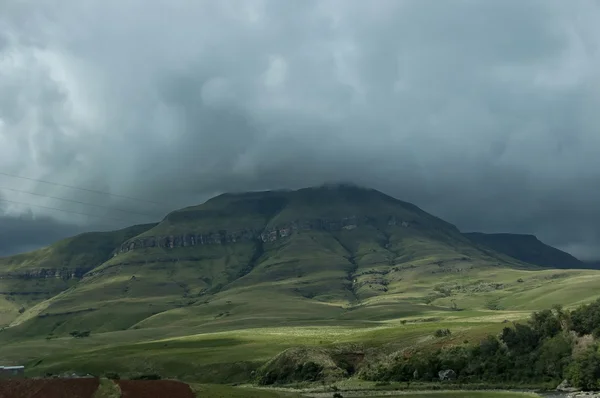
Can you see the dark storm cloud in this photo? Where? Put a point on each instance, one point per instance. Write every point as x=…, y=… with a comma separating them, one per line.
x=24, y=233
x=484, y=113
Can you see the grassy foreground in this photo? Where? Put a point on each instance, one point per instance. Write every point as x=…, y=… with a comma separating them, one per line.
x=463, y=394
x=231, y=356
x=219, y=391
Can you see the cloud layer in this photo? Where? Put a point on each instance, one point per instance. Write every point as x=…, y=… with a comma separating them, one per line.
x=483, y=113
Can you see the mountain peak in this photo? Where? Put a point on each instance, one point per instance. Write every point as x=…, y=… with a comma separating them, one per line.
x=328, y=203
x=327, y=187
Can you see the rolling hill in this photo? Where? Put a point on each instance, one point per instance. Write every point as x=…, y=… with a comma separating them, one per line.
x=212, y=288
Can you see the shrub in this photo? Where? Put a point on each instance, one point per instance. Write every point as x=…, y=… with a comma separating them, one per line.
x=584, y=371
x=442, y=333
x=540, y=351
x=521, y=339
x=308, y=371
x=347, y=366
x=77, y=334
x=148, y=376
x=586, y=319
x=545, y=323
x=554, y=356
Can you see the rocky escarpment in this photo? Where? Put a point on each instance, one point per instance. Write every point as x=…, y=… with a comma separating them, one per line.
x=46, y=273
x=43, y=282
x=270, y=234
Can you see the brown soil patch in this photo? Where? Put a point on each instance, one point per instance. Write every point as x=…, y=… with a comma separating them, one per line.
x=48, y=388
x=154, y=389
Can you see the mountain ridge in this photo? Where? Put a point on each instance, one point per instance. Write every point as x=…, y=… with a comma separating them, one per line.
x=527, y=248
x=318, y=265
x=338, y=246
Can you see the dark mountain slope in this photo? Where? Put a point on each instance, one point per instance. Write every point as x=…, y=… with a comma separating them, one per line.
x=526, y=248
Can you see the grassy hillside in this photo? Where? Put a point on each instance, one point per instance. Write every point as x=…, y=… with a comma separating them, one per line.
x=29, y=278
x=87, y=250
x=527, y=248
x=360, y=249
x=213, y=291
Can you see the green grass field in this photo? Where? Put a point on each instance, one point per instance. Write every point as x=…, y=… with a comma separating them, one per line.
x=220, y=391
x=194, y=343
x=230, y=356
x=108, y=389
x=462, y=394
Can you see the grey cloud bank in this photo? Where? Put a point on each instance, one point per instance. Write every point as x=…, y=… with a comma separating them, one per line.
x=483, y=113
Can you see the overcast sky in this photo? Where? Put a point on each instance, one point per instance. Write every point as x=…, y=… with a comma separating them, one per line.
x=485, y=113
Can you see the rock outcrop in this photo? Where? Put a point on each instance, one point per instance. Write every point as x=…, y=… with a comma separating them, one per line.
x=270, y=234
x=302, y=364
x=565, y=386
x=446, y=375
x=47, y=273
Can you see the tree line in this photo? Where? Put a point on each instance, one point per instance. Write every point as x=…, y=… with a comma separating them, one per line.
x=549, y=347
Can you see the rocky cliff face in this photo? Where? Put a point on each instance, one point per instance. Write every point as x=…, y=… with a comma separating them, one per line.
x=247, y=235
x=46, y=273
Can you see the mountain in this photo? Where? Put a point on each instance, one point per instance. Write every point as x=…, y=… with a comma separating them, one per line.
x=314, y=251
x=527, y=248
x=592, y=264
x=28, y=278
x=241, y=267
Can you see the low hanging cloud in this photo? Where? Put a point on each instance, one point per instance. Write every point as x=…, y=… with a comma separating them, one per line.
x=483, y=113
x=23, y=233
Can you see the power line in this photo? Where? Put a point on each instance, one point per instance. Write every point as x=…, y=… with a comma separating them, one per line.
x=57, y=209
x=81, y=189
x=77, y=201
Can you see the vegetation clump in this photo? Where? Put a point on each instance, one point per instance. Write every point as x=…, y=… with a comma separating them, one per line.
x=304, y=364
x=80, y=334
x=308, y=371
x=442, y=333
x=542, y=350
x=147, y=376
x=112, y=376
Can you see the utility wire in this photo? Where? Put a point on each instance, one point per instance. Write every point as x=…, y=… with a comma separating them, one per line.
x=77, y=201
x=57, y=209
x=80, y=189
